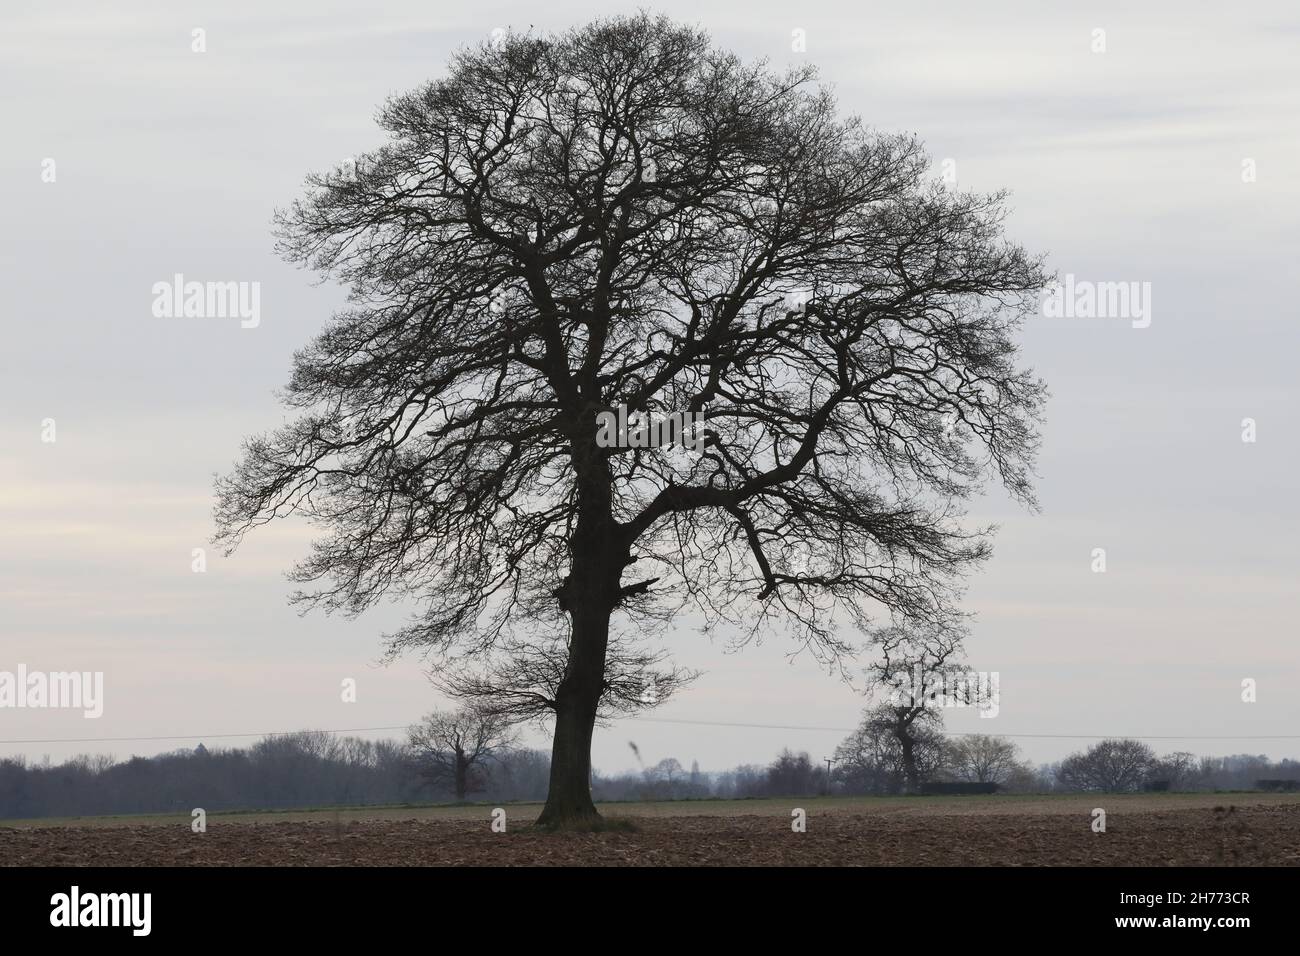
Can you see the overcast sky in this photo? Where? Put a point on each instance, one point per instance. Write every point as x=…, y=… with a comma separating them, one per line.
x=1128, y=165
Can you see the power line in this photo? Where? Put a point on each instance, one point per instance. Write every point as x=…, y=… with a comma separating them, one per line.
x=269, y=733
x=653, y=720
x=845, y=730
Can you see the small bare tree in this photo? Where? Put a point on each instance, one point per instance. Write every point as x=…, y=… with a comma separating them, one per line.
x=893, y=749
x=980, y=758
x=1111, y=766
x=452, y=748
x=918, y=672
x=1177, y=771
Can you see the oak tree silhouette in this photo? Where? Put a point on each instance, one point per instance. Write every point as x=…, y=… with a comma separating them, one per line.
x=624, y=215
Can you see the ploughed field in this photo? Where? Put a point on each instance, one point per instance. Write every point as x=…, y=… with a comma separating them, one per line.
x=1246, y=829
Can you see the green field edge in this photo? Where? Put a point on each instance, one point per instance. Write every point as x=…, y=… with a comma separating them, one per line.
x=709, y=806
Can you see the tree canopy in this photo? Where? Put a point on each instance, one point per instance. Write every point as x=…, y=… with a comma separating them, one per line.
x=624, y=216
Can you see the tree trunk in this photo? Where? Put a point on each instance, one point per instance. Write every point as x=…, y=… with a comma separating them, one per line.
x=462, y=777
x=598, y=554
x=909, y=762
x=568, y=799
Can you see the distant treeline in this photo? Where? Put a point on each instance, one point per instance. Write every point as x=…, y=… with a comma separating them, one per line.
x=308, y=769
x=316, y=769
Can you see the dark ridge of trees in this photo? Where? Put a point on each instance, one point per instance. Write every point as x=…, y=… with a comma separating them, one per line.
x=1127, y=766
x=967, y=764
x=308, y=769
x=312, y=769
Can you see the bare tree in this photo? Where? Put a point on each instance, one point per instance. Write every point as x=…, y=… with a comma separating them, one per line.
x=918, y=672
x=1177, y=771
x=893, y=749
x=452, y=748
x=867, y=760
x=668, y=770
x=623, y=216
x=791, y=774
x=1111, y=766
x=980, y=758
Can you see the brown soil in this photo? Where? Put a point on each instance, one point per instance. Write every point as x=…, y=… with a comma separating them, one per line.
x=1021, y=834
